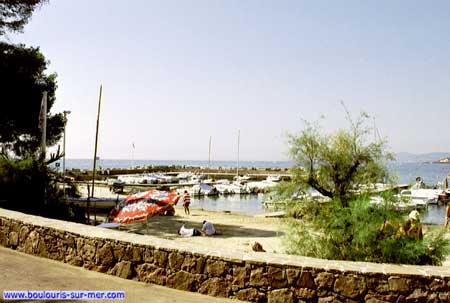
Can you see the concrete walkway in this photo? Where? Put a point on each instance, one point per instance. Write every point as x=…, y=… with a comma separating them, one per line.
x=20, y=271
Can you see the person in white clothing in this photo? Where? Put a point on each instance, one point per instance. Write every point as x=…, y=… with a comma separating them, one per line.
x=188, y=232
x=208, y=228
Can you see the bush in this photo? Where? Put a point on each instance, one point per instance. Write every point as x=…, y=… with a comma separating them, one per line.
x=30, y=187
x=326, y=230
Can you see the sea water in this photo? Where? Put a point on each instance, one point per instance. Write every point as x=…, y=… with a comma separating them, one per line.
x=405, y=173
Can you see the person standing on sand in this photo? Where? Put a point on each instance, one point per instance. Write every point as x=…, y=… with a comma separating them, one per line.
x=447, y=214
x=186, y=202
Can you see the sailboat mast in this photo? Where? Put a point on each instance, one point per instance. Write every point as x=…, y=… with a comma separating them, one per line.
x=132, y=155
x=95, y=156
x=209, y=154
x=239, y=135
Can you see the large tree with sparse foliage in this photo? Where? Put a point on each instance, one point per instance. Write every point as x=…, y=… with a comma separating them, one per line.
x=341, y=165
x=23, y=78
x=336, y=164
x=14, y=14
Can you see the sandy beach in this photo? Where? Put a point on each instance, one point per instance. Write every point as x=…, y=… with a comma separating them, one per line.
x=234, y=230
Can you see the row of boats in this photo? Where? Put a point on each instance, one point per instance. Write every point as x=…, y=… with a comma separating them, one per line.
x=417, y=196
x=199, y=185
x=196, y=185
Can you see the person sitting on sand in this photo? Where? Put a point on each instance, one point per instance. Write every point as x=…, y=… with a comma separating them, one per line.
x=208, y=228
x=188, y=232
x=413, y=226
x=411, y=229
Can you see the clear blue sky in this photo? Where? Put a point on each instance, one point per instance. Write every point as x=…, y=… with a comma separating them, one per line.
x=175, y=73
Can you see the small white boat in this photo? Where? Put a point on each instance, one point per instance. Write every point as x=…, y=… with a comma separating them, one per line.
x=429, y=196
x=203, y=189
x=98, y=203
x=273, y=178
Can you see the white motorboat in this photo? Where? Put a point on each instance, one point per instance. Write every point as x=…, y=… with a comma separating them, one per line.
x=203, y=189
x=273, y=178
x=429, y=196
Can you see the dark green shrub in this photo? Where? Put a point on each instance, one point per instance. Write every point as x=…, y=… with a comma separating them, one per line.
x=328, y=231
x=29, y=186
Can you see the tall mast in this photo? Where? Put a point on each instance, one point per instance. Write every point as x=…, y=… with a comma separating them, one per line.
x=132, y=155
x=239, y=135
x=95, y=156
x=209, y=153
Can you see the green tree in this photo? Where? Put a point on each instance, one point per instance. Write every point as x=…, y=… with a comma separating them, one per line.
x=23, y=78
x=348, y=227
x=337, y=164
x=14, y=14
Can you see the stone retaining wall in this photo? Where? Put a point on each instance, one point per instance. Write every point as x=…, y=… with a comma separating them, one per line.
x=258, y=277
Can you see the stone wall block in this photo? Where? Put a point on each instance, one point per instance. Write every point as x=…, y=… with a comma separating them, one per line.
x=194, y=265
x=433, y=298
x=182, y=280
x=377, y=298
x=176, y=259
x=42, y=251
x=240, y=277
x=306, y=280
x=444, y=296
x=398, y=284
x=350, y=286
x=324, y=280
x=88, y=251
x=378, y=285
x=329, y=299
x=259, y=278
x=160, y=258
x=14, y=226
x=284, y=295
x=75, y=261
x=292, y=275
x=418, y=296
x=148, y=255
x=80, y=244
x=13, y=240
x=105, y=255
x=128, y=253
x=119, y=252
x=306, y=294
x=123, y=270
x=248, y=294
x=23, y=234
x=69, y=241
x=3, y=238
x=216, y=268
x=151, y=273
x=277, y=277
x=438, y=285
x=137, y=254
x=31, y=243
x=215, y=287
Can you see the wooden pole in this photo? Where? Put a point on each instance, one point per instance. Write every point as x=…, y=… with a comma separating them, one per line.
x=95, y=156
x=43, y=125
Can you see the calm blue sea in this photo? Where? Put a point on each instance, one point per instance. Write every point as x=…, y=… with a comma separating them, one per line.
x=431, y=174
